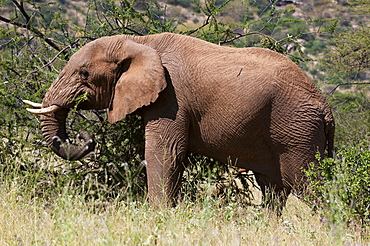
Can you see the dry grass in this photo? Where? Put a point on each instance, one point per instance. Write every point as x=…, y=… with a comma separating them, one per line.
x=70, y=220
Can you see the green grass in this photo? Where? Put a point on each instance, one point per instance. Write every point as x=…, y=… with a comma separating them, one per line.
x=33, y=216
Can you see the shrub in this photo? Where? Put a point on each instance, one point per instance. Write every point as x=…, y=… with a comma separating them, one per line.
x=340, y=189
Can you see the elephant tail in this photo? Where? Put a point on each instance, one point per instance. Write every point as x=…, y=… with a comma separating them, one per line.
x=329, y=132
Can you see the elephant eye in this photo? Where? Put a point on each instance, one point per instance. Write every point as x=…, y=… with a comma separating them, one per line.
x=84, y=74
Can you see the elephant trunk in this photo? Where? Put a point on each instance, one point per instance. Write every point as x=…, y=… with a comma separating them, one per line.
x=54, y=130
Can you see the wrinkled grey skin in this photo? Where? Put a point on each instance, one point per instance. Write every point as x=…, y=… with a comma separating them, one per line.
x=252, y=106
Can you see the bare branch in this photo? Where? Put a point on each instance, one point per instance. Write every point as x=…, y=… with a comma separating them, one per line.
x=20, y=6
x=197, y=29
x=31, y=28
x=248, y=34
x=347, y=83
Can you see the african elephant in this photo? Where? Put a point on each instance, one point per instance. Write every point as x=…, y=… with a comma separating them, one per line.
x=249, y=105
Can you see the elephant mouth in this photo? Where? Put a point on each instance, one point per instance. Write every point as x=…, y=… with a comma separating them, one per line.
x=53, y=121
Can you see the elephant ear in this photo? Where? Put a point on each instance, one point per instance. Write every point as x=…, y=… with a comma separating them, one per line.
x=142, y=78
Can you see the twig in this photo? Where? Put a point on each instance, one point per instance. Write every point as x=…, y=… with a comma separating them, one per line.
x=348, y=83
x=248, y=34
x=51, y=61
x=23, y=11
x=197, y=29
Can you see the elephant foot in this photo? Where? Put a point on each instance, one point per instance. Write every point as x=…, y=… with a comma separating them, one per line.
x=274, y=197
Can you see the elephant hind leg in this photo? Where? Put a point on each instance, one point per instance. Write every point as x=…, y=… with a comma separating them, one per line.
x=274, y=196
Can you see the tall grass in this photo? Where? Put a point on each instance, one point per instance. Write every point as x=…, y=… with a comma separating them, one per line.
x=30, y=215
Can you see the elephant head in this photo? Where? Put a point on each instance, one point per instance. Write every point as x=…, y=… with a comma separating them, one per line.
x=116, y=73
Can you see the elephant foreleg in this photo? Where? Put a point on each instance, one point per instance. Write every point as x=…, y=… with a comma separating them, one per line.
x=165, y=155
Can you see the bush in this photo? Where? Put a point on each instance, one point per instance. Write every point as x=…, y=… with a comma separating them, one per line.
x=340, y=189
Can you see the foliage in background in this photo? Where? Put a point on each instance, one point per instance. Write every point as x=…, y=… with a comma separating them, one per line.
x=352, y=116
x=352, y=52
x=349, y=57
x=341, y=187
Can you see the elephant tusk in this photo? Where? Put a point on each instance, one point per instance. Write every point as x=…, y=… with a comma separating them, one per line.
x=33, y=104
x=43, y=111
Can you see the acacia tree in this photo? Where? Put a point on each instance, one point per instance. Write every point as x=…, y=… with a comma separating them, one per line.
x=350, y=55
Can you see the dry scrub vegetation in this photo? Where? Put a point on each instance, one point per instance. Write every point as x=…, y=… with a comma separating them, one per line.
x=28, y=218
